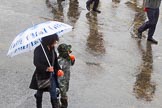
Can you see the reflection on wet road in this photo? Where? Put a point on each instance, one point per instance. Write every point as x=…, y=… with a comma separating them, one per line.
x=57, y=10
x=116, y=1
x=139, y=17
x=95, y=41
x=73, y=11
x=144, y=88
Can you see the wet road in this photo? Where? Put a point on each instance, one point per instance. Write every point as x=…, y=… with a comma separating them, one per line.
x=113, y=68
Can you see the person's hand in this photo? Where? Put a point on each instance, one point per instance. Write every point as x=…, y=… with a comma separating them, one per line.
x=50, y=69
x=72, y=57
x=60, y=73
x=145, y=9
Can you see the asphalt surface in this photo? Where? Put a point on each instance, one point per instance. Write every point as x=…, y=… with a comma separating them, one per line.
x=113, y=68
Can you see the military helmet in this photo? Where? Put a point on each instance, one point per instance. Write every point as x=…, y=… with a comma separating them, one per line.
x=63, y=48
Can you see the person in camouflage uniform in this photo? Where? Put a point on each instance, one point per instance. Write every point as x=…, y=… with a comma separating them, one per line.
x=65, y=63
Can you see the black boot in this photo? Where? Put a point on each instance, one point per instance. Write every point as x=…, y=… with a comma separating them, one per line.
x=152, y=41
x=96, y=10
x=38, y=101
x=55, y=103
x=64, y=103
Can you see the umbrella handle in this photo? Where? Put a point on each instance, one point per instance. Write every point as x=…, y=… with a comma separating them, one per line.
x=45, y=55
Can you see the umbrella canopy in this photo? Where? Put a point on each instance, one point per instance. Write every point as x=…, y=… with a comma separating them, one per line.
x=31, y=37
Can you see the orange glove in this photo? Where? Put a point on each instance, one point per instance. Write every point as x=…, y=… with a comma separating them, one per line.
x=72, y=57
x=60, y=73
x=145, y=9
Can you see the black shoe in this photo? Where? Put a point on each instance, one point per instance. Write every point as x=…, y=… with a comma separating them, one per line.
x=88, y=6
x=139, y=34
x=95, y=10
x=152, y=41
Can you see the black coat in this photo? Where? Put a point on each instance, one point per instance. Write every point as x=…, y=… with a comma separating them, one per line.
x=41, y=65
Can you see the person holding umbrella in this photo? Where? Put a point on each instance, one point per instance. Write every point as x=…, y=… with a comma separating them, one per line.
x=152, y=9
x=95, y=6
x=43, y=71
x=42, y=38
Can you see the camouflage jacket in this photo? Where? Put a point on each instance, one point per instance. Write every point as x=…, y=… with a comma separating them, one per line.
x=65, y=66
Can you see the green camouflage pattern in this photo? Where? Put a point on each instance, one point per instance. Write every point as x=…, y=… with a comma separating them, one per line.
x=64, y=50
x=64, y=80
x=65, y=64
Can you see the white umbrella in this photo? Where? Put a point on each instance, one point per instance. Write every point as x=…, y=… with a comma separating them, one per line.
x=31, y=37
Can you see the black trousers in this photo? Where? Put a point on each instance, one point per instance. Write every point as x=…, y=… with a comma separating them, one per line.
x=153, y=15
x=95, y=6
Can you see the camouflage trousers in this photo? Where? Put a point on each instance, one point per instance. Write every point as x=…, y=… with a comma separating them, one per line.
x=64, y=87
